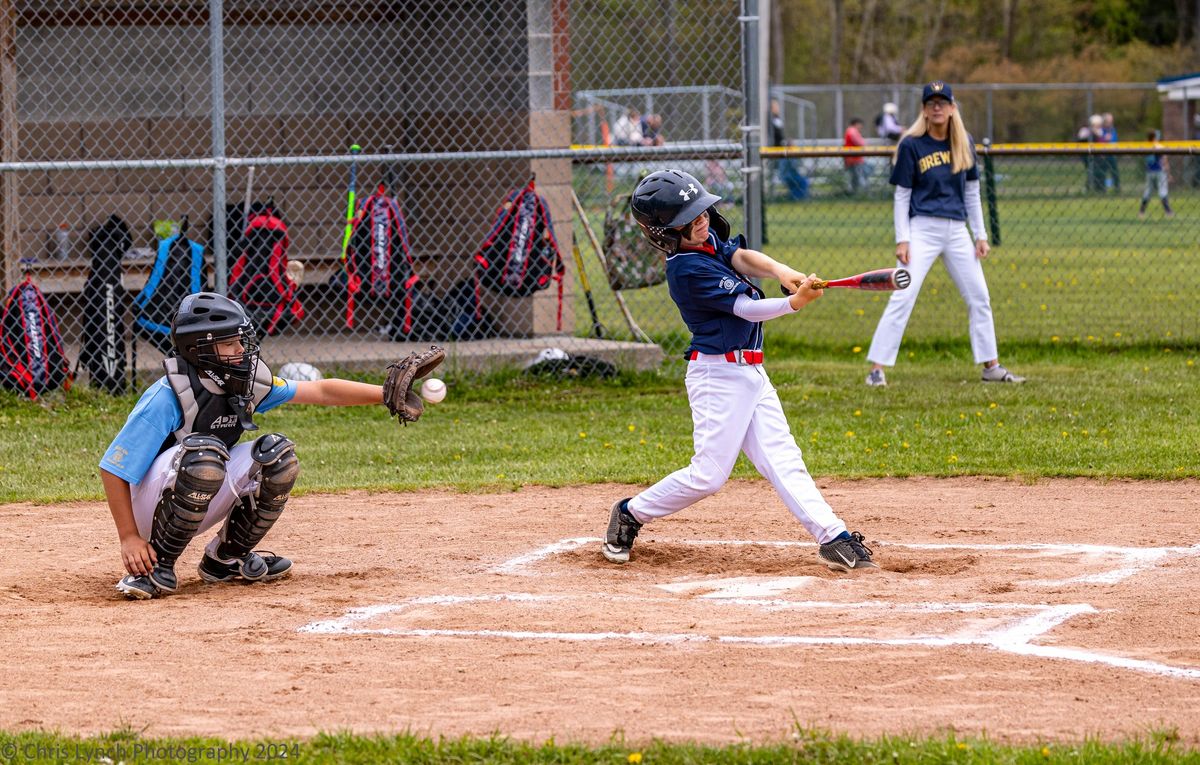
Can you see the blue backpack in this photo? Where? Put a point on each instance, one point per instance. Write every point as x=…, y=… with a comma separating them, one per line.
x=178, y=272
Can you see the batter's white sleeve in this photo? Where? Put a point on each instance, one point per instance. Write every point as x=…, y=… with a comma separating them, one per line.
x=900, y=210
x=975, y=211
x=746, y=307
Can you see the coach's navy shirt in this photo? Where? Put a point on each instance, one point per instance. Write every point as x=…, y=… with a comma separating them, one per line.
x=704, y=286
x=923, y=165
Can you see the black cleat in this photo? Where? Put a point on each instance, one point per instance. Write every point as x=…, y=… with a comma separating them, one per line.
x=255, y=567
x=847, y=554
x=137, y=587
x=622, y=530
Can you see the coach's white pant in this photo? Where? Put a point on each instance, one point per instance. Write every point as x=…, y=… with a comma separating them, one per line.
x=735, y=408
x=161, y=474
x=929, y=238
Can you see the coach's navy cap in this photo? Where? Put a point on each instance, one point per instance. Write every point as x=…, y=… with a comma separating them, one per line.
x=936, y=89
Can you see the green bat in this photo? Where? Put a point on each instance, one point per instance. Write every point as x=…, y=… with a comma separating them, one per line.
x=354, y=151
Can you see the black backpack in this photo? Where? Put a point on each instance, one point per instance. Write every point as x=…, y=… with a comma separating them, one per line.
x=32, y=358
x=104, y=302
x=259, y=278
x=178, y=272
x=520, y=255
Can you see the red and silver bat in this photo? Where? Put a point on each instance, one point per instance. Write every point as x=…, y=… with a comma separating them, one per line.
x=881, y=279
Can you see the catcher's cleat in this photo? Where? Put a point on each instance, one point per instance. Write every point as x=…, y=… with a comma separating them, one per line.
x=622, y=530
x=876, y=379
x=137, y=587
x=847, y=554
x=999, y=374
x=276, y=566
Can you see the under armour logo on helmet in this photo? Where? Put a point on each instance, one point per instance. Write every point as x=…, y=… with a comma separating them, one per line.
x=688, y=192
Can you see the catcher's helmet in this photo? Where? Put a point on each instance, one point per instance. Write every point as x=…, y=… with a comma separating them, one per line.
x=667, y=200
x=203, y=320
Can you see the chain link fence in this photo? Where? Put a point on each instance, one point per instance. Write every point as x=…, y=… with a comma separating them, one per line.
x=121, y=143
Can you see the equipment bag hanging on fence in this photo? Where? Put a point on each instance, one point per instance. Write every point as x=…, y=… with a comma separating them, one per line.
x=178, y=272
x=259, y=278
x=379, y=263
x=32, y=358
x=520, y=255
x=629, y=258
x=103, y=349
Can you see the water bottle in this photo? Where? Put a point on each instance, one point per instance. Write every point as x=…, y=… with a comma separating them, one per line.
x=62, y=242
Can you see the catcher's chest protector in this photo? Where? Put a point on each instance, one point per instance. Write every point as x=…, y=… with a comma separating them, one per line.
x=205, y=412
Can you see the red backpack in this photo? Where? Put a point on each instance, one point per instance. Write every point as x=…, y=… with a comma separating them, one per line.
x=379, y=262
x=259, y=279
x=32, y=358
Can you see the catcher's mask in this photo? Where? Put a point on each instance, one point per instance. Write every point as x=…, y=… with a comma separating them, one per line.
x=666, y=201
x=204, y=321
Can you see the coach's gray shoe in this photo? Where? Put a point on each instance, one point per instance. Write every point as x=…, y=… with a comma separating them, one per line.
x=876, y=379
x=622, y=530
x=999, y=374
x=137, y=587
x=276, y=567
x=849, y=554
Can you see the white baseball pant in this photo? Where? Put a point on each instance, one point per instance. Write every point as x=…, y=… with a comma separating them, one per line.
x=162, y=473
x=735, y=408
x=930, y=238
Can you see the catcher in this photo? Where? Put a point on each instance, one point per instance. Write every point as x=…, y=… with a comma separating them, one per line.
x=176, y=469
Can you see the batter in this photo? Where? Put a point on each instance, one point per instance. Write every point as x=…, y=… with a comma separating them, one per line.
x=734, y=406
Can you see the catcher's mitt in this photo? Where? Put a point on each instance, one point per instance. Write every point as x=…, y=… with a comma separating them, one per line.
x=398, y=394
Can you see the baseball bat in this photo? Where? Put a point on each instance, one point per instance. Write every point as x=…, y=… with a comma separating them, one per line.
x=350, y=211
x=883, y=279
x=389, y=174
x=597, y=328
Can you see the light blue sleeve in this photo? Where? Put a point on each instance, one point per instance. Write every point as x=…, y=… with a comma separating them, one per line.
x=282, y=391
x=155, y=417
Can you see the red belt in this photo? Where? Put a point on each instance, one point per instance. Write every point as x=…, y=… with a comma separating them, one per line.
x=739, y=357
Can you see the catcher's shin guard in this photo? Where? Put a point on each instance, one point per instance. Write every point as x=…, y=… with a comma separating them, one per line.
x=252, y=517
x=199, y=473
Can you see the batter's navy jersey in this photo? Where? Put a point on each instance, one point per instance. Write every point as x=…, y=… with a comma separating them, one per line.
x=157, y=415
x=704, y=286
x=923, y=165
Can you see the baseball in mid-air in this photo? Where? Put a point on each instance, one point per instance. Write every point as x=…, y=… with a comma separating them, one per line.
x=433, y=390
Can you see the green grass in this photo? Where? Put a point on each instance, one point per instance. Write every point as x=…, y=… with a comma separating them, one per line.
x=1129, y=414
x=807, y=746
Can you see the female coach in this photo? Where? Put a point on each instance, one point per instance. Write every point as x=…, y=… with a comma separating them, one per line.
x=937, y=194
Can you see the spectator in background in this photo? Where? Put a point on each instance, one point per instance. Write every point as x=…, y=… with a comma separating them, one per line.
x=856, y=167
x=789, y=174
x=1092, y=132
x=887, y=125
x=652, y=130
x=627, y=131
x=1108, y=134
x=1157, y=177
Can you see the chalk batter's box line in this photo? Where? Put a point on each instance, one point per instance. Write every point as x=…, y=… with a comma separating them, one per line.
x=1015, y=637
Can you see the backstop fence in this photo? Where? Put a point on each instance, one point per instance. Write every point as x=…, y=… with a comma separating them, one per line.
x=129, y=129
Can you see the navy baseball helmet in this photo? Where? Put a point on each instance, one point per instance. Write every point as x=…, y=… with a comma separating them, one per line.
x=205, y=319
x=667, y=200
x=937, y=89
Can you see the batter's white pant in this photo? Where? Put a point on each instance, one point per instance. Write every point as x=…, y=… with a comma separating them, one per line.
x=929, y=238
x=735, y=408
x=161, y=475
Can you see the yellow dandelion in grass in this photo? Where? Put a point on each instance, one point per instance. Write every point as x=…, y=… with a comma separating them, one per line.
x=1083, y=432
x=867, y=450
x=660, y=446
x=857, y=349
x=979, y=414
x=642, y=442
x=949, y=432
x=849, y=434
x=1166, y=350
x=1054, y=338
x=1191, y=363
x=1053, y=409
x=962, y=415
x=859, y=312
x=582, y=434
x=1043, y=306
x=952, y=458
x=1045, y=751
x=1116, y=334
x=1065, y=434
x=904, y=445
x=607, y=445
x=992, y=405
x=1024, y=285
x=962, y=746
x=912, y=355
x=635, y=758
x=500, y=477
x=632, y=428
x=858, y=413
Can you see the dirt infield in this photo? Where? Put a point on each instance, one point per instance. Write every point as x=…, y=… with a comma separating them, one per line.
x=1053, y=611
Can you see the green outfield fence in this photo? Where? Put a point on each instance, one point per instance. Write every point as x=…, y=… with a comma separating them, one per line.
x=1072, y=261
